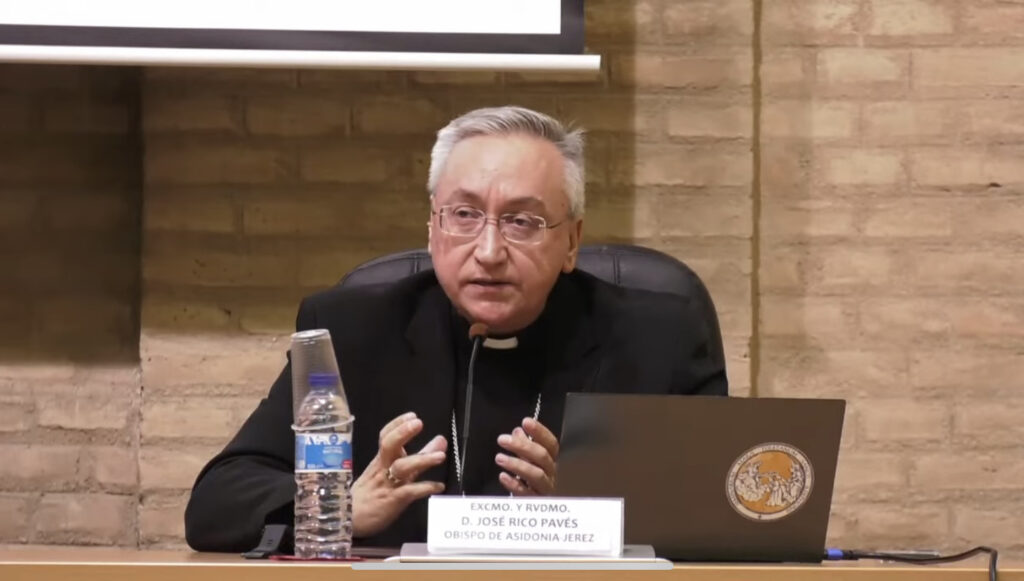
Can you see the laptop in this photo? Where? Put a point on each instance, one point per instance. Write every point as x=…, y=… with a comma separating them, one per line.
x=708, y=478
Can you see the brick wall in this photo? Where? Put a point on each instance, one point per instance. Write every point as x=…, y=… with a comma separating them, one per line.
x=829, y=169
x=890, y=255
x=69, y=300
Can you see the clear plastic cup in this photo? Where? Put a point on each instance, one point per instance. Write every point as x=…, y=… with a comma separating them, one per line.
x=311, y=352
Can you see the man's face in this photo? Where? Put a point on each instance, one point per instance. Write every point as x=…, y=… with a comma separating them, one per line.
x=491, y=280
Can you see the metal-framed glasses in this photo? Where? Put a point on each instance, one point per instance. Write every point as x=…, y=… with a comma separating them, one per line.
x=516, y=227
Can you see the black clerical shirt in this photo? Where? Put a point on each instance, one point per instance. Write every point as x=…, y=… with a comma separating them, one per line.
x=506, y=385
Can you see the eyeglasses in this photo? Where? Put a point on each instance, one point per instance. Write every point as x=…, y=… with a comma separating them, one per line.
x=516, y=227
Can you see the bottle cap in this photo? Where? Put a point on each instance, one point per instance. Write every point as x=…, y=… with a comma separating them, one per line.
x=323, y=380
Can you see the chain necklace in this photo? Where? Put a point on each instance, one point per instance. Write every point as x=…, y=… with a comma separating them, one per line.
x=459, y=460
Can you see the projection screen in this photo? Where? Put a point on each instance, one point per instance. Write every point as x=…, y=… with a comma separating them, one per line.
x=439, y=34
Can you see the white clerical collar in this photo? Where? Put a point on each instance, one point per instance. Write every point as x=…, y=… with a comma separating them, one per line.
x=506, y=343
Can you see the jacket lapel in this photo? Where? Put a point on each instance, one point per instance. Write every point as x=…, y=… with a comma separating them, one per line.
x=572, y=348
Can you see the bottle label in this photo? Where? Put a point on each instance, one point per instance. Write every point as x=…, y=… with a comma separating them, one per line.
x=323, y=452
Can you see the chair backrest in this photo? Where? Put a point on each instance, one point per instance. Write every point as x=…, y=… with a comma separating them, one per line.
x=622, y=264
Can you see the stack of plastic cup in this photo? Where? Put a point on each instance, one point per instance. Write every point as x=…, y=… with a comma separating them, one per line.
x=311, y=352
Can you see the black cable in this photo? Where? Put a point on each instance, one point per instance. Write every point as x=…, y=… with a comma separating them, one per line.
x=853, y=555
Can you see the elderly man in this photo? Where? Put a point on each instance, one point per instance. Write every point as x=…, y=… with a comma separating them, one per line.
x=506, y=188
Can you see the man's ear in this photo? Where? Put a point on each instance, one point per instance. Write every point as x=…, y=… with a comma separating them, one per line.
x=575, y=236
x=430, y=238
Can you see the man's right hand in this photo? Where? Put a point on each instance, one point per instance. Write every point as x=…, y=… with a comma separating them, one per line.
x=377, y=500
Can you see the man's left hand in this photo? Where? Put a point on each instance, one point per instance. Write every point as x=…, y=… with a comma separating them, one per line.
x=534, y=459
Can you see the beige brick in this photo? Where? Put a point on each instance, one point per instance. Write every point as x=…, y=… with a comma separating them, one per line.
x=345, y=164
x=924, y=526
x=613, y=114
x=86, y=326
x=65, y=163
x=611, y=19
x=688, y=120
x=785, y=169
x=205, y=417
x=16, y=413
x=967, y=471
x=817, y=119
x=88, y=211
x=321, y=269
x=110, y=465
x=44, y=466
x=394, y=115
x=30, y=371
x=695, y=72
x=162, y=517
x=967, y=371
x=807, y=218
x=999, y=319
x=908, y=218
x=182, y=212
x=993, y=118
x=175, y=112
x=17, y=208
x=292, y=114
x=989, y=423
x=219, y=269
x=85, y=407
x=168, y=313
x=843, y=266
x=908, y=120
x=782, y=270
x=808, y=317
x=969, y=67
x=240, y=163
x=612, y=216
x=710, y=18
x=833, y=373
x=455, y=78
x=699, y=216
x=910, y=17
x=861, y=166
x=291, y=217
x=91, y=115
x=273, y=319
x=898, y=420
x=655, y=166
x=958, y=166
x=172, y=468
x=17, y=114
x=868, y=472
x=991, y=18
x=91, y=519
x=898, y=321
x=999, y=526
x=221, y=79
x=184, y=359
x=781, y=68
x=803, y=17
x=17, y=510
x=839, y=66
x=968, y=270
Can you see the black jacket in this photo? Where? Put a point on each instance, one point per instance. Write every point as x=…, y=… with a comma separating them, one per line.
x=395, y=354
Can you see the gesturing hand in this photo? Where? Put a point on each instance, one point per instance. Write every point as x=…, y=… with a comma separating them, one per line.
x=535, y=461
x=388, y=485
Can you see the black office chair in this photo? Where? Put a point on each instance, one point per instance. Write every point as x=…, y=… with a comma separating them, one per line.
x=622, y=264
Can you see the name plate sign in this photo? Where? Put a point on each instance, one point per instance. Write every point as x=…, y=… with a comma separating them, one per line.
x=502, y=525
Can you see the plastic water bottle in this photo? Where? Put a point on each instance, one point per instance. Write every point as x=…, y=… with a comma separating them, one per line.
x=323, y=471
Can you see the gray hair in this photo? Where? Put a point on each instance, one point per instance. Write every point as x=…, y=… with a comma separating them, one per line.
x=510, y=120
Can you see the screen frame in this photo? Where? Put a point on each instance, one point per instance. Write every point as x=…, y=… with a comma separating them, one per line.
x=570, y=39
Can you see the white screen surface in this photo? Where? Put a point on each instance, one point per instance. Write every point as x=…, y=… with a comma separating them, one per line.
x=429, y=16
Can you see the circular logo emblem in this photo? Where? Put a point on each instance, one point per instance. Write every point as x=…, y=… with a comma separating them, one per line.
x=769, y=482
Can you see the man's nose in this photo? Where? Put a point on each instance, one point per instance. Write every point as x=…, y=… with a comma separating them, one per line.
x=490, y=246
